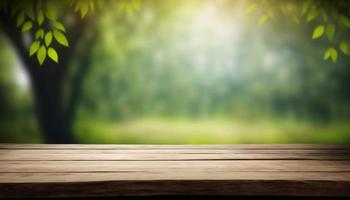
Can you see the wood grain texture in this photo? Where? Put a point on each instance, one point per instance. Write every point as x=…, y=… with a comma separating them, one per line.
x=163, y=146
x=34, y=170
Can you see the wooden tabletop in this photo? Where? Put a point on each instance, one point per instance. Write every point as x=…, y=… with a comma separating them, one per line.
x=35, y=170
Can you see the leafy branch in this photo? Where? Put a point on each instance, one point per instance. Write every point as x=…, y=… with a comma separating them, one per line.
x=40, y=18
x=330, y=19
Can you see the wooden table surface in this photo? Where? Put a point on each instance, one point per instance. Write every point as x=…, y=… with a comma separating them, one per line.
x=35, y=170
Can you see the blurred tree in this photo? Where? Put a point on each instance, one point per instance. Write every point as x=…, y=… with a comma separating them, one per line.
x=40, y=26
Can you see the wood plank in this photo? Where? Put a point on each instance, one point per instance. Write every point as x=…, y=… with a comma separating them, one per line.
x=174, y=166
x=14, y=156
x=164, y=174
x=163, y=146
x=111, y=170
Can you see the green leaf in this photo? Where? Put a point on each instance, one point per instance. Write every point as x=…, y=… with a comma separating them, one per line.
x=318, y=32
x=20, y=18
x=27, y=26
x=39, y=34
x=58, y=26
x=29, y=10
x=92, y=5
x=334, y=55
x=34, y=47
x=60, y=38
x=84, y=8
x=331, y=53
x=312, y=14
x=40, y=17
x=305, y=6
x=263, y=19
x=48, y=38
x=344, y=47
x=345, y=21
x=50, y=10
x=53, y=54
x=77, y=6
x=330, y=30
x=41, y=55
x=326, y=54
x=251, y=8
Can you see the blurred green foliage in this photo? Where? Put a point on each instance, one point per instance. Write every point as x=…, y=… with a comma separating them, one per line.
x=196, y=71
x=330, y=19
x=17, y=122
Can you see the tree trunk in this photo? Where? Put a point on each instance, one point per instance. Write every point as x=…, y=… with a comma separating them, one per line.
x=55, y=115
x=55, y=129
x=56, y=126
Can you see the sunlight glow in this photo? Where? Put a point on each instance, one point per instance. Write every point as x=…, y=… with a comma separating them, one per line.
x=21, y=77
x=213, y=34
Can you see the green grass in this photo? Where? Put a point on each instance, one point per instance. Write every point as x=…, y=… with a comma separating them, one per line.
x=181, y=131
x=19, y=131
x=160, y=131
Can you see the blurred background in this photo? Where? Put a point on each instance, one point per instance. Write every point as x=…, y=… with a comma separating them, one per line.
x=188, y=72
